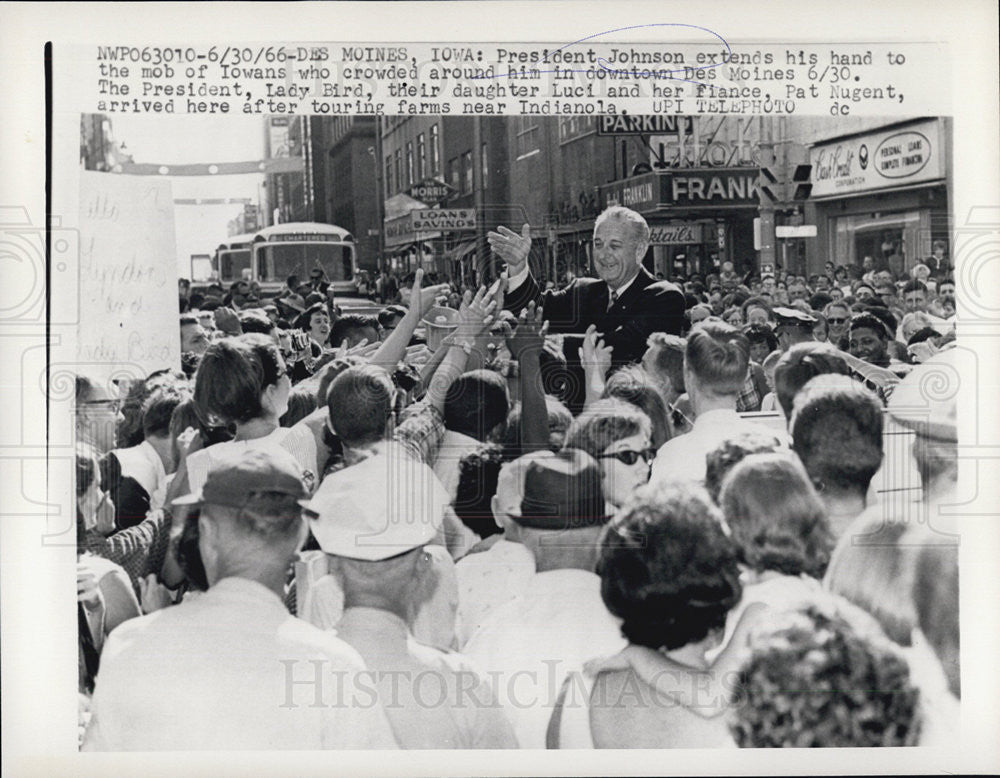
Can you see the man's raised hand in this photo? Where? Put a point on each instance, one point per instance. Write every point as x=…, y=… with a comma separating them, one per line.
x=511, y=247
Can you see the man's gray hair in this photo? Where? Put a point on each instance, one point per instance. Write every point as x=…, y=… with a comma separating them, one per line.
x=622, y=213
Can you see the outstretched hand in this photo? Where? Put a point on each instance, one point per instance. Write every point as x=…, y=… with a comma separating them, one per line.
x=511, y=247
x=530, y=332
x=422, y=300
x=476, y=312
x=594, y=354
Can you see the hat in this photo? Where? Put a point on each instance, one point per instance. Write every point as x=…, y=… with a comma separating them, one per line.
x=926, y=399
x=385, y=505
x=563, y=492
x=292, y=301
x=793, y=317
x=233, y=480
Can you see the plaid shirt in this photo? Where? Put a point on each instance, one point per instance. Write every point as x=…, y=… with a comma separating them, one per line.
x=748, y=399
x=140, y=550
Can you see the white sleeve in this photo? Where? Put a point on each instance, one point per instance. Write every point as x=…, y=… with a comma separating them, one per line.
x=514, y=281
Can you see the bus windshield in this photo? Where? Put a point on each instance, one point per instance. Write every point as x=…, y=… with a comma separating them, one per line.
x=277, y=261
x=232, y=263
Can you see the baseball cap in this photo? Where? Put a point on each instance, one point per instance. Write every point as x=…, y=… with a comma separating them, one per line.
x=385, y=505
x=793, y=317
x=234, y=480
x=926, y=400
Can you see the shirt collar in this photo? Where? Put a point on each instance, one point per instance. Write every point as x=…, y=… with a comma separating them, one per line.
x=621, y=289
x=234, y=587
x=362, y=619
x=716, y=416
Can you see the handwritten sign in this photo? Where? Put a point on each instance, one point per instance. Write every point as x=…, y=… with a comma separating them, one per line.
x=128, y=276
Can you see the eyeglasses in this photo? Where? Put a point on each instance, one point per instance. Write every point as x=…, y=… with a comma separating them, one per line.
x=630, y=457
x=837, y=320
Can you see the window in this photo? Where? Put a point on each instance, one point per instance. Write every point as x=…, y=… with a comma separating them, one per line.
x=454, y=174
x=486, y=166
x=421, y=157
x=435, y=151
x=409, y=163
x=398, y=166
x=572, y=127
x=527, y=136
x=467, y=172
x=388, y=173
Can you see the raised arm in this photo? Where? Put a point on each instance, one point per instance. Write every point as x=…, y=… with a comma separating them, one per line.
x=525, y=346
x=393, y=349
x=475, y=315
x=596, y=360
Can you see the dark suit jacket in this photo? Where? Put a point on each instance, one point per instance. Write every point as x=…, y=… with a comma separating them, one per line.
x=647, y=306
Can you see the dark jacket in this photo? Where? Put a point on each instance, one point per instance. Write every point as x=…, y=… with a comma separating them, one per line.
x=647, y=306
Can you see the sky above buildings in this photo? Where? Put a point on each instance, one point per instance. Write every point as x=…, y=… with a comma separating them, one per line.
x=190, y=140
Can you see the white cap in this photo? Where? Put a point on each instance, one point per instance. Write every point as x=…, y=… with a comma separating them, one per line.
x=381, y=507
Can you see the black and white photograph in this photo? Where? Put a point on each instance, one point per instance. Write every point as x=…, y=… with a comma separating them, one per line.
x=483, y=412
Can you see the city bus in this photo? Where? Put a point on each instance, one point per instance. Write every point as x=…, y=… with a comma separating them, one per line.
x=270, y=255
x=299, y=248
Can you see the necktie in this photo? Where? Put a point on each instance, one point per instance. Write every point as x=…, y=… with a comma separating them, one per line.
x=612, y=299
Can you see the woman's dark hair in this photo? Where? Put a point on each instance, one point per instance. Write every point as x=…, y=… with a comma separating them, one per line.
x=667, y=569
x=635, y=386
x=814, y=680
x=761, y=333
x=232, y=376
x=476, y=403
x=479, y=472
x=390, y=312
x=776, y=517
x=304, y=319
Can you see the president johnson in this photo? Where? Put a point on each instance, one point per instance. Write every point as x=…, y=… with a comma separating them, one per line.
x=626, y=303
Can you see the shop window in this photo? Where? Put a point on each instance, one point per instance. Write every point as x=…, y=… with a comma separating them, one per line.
x=435, y=151
x=421, y=157
x=467, y=172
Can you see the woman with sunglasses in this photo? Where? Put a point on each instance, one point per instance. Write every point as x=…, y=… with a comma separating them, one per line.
x=619, y=436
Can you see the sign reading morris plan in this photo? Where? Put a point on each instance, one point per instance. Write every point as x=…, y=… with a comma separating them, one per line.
x=128, y=282
x=908, y=154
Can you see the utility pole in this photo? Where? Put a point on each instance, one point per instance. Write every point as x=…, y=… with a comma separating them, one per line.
x=478, y=201
x=379, y=194
x=769, y=179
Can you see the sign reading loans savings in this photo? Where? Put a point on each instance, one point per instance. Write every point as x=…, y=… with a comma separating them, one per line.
x=905, y=155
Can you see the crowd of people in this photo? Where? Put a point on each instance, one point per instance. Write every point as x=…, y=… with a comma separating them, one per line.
x=633, y=513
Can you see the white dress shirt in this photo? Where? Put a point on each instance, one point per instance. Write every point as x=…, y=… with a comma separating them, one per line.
x=529, y=645
x=487, y=580
x=434, y=699
x=683, y=458
x=230, y=669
